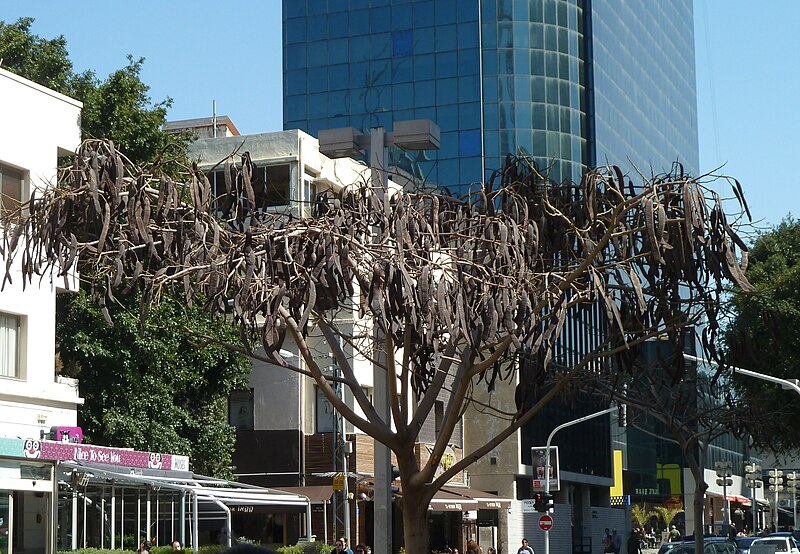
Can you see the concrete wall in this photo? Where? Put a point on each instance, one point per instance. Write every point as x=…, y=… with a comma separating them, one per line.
x=38, y=126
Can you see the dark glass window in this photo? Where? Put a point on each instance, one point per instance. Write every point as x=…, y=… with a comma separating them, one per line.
x=469, y=143
x=402, y=43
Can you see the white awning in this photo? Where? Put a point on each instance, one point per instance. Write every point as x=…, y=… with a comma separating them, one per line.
x=229, y=493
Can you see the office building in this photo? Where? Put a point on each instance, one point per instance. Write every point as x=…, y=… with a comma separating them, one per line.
x=569, y=83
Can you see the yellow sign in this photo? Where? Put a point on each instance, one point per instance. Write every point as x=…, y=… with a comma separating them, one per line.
x=338, y=482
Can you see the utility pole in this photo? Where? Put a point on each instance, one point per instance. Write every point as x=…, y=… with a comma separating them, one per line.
x=792, y=481
x=754, y=482
x=413, y=135
x=776, y=486
x=724, y=472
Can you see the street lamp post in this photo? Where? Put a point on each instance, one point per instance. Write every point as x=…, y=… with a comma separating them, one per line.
x=753, y=481
x=421, y=134
x=547, y=460
x=776, y=476
x=724, y=473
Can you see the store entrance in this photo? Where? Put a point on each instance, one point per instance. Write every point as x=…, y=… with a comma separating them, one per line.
x=24, y=522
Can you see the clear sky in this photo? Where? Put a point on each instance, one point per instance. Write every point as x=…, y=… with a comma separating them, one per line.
x=748, y=73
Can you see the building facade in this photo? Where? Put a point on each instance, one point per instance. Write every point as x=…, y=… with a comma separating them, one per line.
x=568, y=83
x=39, y=125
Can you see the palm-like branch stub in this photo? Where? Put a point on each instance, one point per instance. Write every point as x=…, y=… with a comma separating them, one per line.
x=509, y=260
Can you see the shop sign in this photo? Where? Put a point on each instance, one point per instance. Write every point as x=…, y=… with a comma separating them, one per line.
x=67, y=451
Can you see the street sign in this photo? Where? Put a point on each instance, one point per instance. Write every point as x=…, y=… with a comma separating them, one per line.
x=545, y=522
x=338, y=482
x=538, y=458
x=529, y=506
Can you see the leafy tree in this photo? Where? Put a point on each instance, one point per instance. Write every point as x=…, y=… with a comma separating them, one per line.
x=152, y=388
x=764, y=335
x=40, y=60
x=117, y=108
x=442, y=294
x=641, y=515
x=667, y=514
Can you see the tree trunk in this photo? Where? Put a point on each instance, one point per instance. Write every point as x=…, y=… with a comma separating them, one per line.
x=415, y=520
x=697, y=507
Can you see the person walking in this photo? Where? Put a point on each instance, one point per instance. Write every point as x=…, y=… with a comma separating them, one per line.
x=616, y=539
x=341, y=546
x=525, y=549
x=634, y=543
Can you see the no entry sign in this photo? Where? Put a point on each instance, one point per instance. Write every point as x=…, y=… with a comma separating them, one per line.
x=545, y=522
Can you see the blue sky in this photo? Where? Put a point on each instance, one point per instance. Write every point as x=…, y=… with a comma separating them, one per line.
x=748, y=73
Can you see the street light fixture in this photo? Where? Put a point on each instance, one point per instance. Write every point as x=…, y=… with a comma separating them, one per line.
x=753, y=481
x=419, y=134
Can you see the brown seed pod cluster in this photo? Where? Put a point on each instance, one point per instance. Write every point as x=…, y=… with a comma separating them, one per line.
x=498, y=270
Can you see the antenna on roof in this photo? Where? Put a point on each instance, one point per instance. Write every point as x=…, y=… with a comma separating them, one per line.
x=214, y=118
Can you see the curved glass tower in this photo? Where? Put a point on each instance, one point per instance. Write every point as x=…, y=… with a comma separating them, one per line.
x=571, y=83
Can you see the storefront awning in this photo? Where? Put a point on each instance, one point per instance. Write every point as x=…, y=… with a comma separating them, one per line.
x=444, y=501
x=205, y=488
x=743, y=500
x=486, y=500
x=316, y=494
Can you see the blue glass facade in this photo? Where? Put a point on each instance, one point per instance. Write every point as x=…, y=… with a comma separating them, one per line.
x=571, y=83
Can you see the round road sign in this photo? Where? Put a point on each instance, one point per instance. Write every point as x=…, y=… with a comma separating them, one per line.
x=545, y=522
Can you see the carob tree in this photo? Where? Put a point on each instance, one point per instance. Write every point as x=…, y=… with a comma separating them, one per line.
x=447, y=292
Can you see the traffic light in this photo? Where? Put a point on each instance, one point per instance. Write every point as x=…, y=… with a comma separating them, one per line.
x=548, y=504
x=538, y=502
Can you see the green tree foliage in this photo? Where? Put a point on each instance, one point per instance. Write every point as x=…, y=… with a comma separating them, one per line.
x=117, y=108
x=641, y=515
x=152, y=388
x=764, y=334
x=667, y=514
x=41, y=60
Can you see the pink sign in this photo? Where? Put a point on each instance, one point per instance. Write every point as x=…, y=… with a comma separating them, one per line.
x=65, y=451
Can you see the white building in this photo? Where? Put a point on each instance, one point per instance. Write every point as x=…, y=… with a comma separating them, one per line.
x=39, y=125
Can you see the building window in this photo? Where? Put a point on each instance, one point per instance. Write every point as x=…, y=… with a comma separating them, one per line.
x=270, y=185
x=12, y=183
x=9, y=345
x=240, y=410
x=325, y=420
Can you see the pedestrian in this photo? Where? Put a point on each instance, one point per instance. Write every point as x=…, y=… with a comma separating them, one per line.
x=341, y=546
x=144, y=547
x=634, y=543
x=608, y=542
x=525, y=549
x=674, y=534
x=176, y=545
x=491, y=550
x=472, y=547
x=616, y=539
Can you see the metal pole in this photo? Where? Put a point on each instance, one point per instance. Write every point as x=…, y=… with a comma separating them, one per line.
x=74, y=515
x=787, y=384
x=195, y=521
x=113, y=515
x=726, y=515
x=382, y=457
x=547, y=459
x=755, y=509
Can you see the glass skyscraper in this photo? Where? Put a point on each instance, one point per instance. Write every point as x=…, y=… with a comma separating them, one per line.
x=570, y=83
